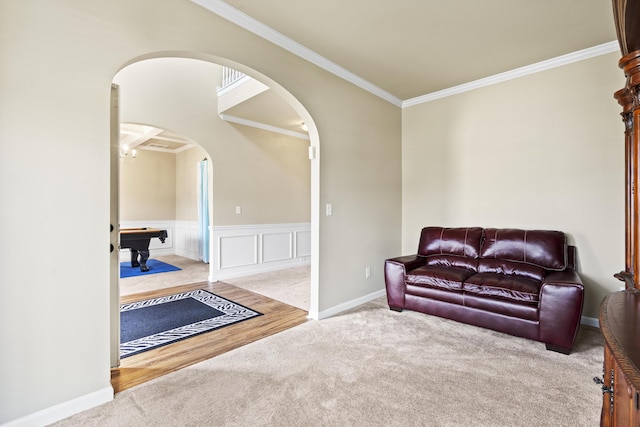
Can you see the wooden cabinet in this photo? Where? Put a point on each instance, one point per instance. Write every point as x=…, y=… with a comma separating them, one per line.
x=620, y=311
x=620, y=326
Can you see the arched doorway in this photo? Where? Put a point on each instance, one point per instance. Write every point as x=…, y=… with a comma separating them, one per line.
x=198, y=135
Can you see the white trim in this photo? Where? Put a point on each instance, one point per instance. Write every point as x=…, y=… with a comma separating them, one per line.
x=263, y=126
x=346, y=305
x=558, y=61
x=590, y=321
x=63, y=410
x=236, y=84
x=279, y=226
x=245, y=21
x=180, y=149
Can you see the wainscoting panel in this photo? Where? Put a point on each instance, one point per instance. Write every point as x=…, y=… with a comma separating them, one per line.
x=303, y=244
x=237, y=251
x=277, y=246
x=250, y=249
x=186, y=239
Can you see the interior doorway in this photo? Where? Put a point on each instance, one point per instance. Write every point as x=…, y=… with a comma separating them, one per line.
x=115, y=207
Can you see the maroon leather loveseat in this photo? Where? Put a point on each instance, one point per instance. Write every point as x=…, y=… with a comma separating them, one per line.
x=521, y=282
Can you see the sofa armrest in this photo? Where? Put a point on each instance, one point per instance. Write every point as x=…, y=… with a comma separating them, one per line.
x=395, y=270
x=408, y=261
x=561, y=302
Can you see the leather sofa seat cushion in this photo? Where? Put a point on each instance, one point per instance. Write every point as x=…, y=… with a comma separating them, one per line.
x=453, y=261
x=511, y=268
x=510, y=288
x=544, y=248
x=504, y=307
x=450, y=241
x=439, y=277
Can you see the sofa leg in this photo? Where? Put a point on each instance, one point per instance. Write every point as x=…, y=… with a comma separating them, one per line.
x=396, y=308
x=558, y=349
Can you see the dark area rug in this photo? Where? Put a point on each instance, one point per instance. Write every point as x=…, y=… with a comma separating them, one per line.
x=156, y=322
x=154, y=265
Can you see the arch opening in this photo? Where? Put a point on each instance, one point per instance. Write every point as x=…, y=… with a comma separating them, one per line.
x=193, y=129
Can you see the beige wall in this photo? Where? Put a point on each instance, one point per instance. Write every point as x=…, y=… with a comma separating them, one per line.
x=57, y=62
x=187, y=166
x=148, y=187
x=542, y=151
x=267, y=174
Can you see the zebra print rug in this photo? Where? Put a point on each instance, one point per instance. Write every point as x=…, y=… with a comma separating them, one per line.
x=156, y=322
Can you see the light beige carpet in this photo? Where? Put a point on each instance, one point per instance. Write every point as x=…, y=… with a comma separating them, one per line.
x=373, y=367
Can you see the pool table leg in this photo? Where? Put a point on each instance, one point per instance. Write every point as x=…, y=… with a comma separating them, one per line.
x=144, y=256
x=134, y=257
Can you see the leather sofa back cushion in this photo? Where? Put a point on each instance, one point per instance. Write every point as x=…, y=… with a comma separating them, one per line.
x=544, y=248
x=450, y=241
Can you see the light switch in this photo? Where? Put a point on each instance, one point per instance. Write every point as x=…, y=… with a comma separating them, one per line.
x=238, y=210
x=329, y=209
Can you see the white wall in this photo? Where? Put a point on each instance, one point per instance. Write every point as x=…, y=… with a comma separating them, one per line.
x=57, y=62
x=543, y=151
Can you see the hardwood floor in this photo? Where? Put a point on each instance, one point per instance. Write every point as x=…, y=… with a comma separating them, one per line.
x=152, y=364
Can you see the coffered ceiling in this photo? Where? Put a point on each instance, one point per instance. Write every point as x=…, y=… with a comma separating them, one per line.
x=135, y=137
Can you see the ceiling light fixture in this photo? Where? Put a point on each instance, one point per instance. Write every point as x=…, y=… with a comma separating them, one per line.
x=127, y=155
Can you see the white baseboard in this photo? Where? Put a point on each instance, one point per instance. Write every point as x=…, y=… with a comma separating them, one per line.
x=590, y=321
x=63, y=410
x=346, y=305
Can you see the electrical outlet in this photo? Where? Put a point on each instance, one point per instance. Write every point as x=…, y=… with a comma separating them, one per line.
x=367, y=272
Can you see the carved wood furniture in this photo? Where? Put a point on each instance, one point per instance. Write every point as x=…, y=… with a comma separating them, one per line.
x=620, y=312
x=620, y=323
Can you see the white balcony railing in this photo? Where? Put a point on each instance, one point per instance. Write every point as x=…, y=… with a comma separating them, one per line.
x=230, y=76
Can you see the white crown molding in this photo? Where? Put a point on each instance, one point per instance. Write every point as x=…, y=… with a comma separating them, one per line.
x=558, y=61
x=243, y=20
x=263, y=126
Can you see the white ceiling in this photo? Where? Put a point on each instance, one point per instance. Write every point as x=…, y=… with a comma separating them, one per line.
x=135, y=137
x=410, y=48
